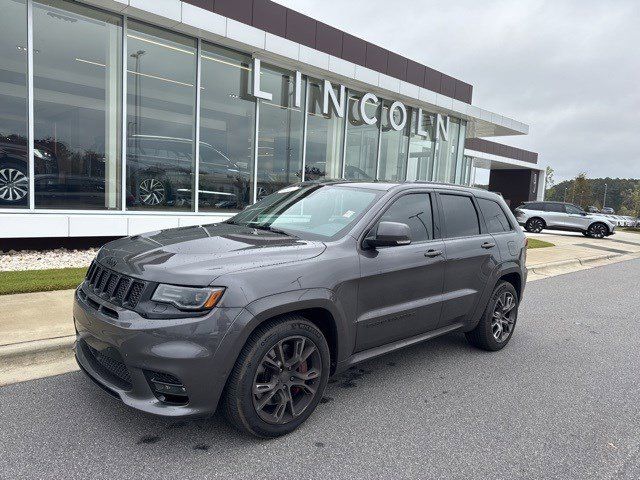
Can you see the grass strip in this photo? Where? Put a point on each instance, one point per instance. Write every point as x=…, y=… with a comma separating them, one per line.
x=40, y=280
x=535, y=243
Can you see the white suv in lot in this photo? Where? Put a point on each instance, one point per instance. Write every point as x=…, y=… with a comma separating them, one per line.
x=536, y=216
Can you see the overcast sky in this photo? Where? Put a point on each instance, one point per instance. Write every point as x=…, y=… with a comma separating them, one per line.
x=569, y=69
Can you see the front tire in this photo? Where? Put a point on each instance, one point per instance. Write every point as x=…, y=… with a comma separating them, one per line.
x=598, y=230
x=495, y=328
x=534, y=225
x=278, y=379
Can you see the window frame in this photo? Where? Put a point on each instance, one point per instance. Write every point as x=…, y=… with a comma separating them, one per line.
x=435, y=214
x=482, y=228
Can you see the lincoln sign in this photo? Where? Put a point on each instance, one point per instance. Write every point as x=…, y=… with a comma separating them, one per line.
x=337, y=102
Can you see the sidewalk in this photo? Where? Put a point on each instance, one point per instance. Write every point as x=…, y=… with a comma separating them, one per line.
x=37, y=333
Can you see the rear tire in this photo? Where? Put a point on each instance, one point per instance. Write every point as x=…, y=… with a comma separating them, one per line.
x=14, y=184
x=270, y=392
x=534, y=225
x=495, y=328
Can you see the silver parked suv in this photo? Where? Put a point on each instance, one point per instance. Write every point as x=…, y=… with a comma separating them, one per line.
x=536, y=216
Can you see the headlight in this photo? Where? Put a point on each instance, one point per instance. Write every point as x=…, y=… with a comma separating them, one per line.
x=188, y=298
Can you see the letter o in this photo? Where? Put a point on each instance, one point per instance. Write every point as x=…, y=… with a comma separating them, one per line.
x=403, y=111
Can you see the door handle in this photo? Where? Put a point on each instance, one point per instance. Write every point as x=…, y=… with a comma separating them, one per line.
x=433, y=253
x=488, y=245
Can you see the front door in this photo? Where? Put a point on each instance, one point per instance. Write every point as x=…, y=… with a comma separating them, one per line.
x=400, y=288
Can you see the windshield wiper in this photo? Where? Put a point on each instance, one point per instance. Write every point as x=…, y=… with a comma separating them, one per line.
x=269, y=228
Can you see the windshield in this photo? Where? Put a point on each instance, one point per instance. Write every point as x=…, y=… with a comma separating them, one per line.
x=314, y=212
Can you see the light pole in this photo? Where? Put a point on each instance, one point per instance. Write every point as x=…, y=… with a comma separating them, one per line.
x=604, y=200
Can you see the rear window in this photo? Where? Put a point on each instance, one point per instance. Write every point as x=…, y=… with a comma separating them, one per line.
x=554, y=207
x=531, y=206
x=494, y=216
x=460, y=216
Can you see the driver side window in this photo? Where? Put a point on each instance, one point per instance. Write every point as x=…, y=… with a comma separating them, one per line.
x=413, y=209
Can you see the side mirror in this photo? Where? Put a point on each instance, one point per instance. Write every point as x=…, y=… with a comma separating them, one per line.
x=390, y=234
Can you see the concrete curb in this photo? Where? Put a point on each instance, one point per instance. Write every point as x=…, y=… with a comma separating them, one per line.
x=547, y=268
x=37, y=351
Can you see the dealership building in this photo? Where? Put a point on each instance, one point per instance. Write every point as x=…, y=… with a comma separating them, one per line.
x=119, y=117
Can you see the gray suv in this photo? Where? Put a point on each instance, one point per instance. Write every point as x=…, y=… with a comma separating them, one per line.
x=254, y=314
x=536, y=216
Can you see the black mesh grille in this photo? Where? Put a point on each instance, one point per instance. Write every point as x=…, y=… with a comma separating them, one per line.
x=135, y=292
x=111, y=286
x=122, y=289
x=119, y=289
x=111, y=365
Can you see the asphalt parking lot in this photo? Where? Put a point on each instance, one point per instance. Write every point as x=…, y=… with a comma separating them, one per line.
x=561, y=401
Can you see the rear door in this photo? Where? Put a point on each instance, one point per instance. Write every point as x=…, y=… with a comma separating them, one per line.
x=472, y=255
x=400, y=288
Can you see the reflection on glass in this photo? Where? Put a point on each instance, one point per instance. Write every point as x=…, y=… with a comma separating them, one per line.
x=161, y=77
x=421, y=147
x=460, y=165
x=324, y=136
x=480, y=177
x=227, y=115
x=279, y=132
x=14, y=166
x=76, y=106
x=393, y=146
x=362, y=140
x=447, y=154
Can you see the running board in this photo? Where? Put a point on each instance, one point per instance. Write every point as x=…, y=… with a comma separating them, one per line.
x=390, y=347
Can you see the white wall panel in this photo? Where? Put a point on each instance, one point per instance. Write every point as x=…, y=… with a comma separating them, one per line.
x=97, y=225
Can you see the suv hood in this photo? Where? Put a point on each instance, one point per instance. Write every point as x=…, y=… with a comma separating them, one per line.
x=198, y=255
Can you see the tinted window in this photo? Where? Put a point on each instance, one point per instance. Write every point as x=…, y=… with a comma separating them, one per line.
x=532, y=206
x=573, y=209
x=554, y=207
x=460, y=216
x=494, y=216
x=414, y=210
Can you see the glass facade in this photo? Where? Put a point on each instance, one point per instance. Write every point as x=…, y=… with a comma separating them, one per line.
x=361, y=151
x=227, y=124
x=161, y=103
x=76, y=106
x=421, y=146
x=393, y=145
x=280, y=129
x=14, y=163
x=325, y=133
x=128, y=116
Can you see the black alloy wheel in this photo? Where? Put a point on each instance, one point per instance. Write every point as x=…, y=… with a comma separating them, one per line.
x=503, y=319
x=534, y=225
x=279, y=377
x=497, y=324
x=287, y=380
x=598, y=230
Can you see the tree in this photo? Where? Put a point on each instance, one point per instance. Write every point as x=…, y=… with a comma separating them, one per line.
x=631, y=200
x=581, y=194
x=548, y=177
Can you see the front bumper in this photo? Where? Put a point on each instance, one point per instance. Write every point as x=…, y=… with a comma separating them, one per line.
x=124, y=352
